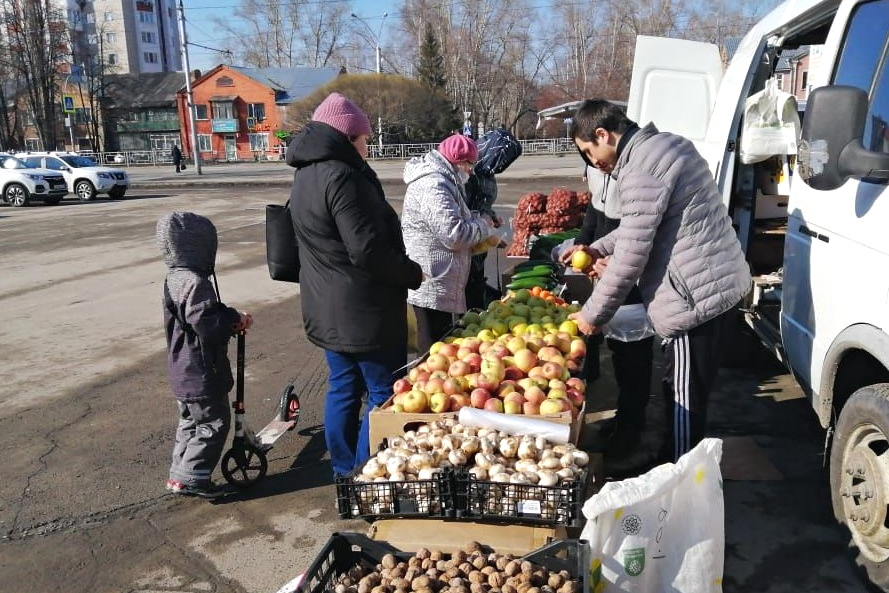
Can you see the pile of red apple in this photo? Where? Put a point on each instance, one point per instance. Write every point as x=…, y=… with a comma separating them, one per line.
x=526, y=374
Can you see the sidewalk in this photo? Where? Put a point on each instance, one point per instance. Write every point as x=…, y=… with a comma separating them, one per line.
x=277, y=173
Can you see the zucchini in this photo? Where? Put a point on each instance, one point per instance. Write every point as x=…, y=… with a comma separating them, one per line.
x=545, y=283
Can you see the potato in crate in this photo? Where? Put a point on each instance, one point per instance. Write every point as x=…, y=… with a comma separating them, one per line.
x=353, y=563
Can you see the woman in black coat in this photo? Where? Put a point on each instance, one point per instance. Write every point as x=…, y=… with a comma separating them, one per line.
x=354, y=272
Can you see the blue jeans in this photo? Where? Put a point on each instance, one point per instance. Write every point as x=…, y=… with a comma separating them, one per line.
x=351, y=376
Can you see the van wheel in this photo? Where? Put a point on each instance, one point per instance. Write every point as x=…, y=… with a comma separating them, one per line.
x=85, y=190
x=859, y=473
x=16, y=195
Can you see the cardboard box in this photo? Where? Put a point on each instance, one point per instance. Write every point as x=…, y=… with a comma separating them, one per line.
x=385, y=424
x=450, y=536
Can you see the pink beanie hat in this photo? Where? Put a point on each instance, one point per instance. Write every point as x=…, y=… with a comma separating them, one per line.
x=458, y=148
x=341, y=114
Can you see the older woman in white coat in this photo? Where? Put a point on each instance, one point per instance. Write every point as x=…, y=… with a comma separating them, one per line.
x=440, y=233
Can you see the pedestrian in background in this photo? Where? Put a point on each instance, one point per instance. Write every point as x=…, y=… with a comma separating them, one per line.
x=440, y=232
x=675, y=239
x=176, y=155
x=198, y=328
x=354, y=272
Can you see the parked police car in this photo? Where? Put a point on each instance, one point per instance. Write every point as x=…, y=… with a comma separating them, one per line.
x=85, y=178
x=20, y=183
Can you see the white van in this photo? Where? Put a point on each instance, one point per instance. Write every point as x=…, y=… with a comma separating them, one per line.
x=816, y=231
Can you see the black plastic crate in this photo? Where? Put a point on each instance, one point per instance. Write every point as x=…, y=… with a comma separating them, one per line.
x=345, y=550
x=433, y=498
x=561, y=504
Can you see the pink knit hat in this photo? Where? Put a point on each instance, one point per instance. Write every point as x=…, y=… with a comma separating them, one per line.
x=341, y=114
x=458, y=148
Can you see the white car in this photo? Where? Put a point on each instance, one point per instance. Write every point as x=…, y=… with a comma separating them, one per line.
x=85, y=178
x=20, y=183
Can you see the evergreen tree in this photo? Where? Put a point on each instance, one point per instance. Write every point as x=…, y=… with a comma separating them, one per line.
x=431, y=70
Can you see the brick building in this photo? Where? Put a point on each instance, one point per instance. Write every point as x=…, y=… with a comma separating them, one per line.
x=240, y=109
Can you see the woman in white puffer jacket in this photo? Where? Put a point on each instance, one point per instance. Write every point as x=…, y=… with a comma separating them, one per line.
x=440, y=233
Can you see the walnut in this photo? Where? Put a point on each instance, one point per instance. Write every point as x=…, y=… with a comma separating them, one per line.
x=420, y=582
x=414, y=562
x=423, y=553
x=459, y=589
x=473, y=547
x=465, y=568
x=479, y=562
x=412, y=573
x=533, y=590
x=389, y=561
x=495, y=579
x=489, y=570
x=555, y=580
x=459, y=557
x=398, y=571
x=569, y=587
x=479, y=587
x=381, y=589
x=458, y=582
x=442, y=565
x=433, y=573
x=427, y=563
x=400, y=584
x=523, y=587
x=527, y=567
x=436, y=555
x=356, y=572
x=512, y=568
x=340, y=588
x=476, y=576
x=424, y=590
x=507, y=588
x=500, y=562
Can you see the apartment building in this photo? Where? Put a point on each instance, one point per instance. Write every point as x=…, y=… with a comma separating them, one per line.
x=129, y=36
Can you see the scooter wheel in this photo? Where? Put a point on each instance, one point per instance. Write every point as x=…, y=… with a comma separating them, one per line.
x=245, y=467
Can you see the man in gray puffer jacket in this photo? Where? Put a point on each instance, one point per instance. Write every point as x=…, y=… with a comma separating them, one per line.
x=676, y=241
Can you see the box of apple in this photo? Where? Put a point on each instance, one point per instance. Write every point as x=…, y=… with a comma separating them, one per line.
x=517, y=357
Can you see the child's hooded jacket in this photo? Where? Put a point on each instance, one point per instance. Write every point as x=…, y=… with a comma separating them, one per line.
x=198, y=326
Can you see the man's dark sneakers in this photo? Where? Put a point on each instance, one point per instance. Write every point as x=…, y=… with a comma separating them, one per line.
x=209, y=491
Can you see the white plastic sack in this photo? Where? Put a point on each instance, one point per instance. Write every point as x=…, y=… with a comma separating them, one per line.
x=629, y=324
x=771, y=125
x=660, y=532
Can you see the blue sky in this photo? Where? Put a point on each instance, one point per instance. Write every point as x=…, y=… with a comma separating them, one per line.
x=200, y=26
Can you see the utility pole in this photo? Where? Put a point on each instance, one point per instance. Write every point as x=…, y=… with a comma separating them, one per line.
x=376, y=39
x=180, y=11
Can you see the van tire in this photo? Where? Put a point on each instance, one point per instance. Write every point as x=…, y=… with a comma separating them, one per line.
x=859, y=467
x=84, y=190
x=16, y=195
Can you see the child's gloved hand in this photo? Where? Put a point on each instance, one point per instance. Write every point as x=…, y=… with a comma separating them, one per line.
x=244, y=323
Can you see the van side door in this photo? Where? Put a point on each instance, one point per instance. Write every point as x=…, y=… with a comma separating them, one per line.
x=836, y=250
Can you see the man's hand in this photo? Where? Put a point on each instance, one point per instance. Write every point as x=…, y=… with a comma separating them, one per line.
x=244, y=322
x=599, y=266
x=583, y=327
x=568, y=254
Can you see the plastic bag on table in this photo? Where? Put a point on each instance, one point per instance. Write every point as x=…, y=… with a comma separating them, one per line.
x=661, y=531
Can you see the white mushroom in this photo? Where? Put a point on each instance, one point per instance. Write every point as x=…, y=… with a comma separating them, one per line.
x=550, y=462
x=426, y=473
x=484, y=460
x=480, y=473
x=396, y=465
x=527, y=449
x=457, y=457
x=581, y=458
x=508, y=446
x=470, y=445
x=547, y=477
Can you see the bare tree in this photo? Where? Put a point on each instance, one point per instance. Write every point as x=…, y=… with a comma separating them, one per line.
x=39, y=47
x=272, y=29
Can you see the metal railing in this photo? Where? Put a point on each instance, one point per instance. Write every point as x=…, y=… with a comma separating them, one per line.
x=137, y=158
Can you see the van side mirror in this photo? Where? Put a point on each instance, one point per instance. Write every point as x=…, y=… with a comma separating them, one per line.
x=830, y=148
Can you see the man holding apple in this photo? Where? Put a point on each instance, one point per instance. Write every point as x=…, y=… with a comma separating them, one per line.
x=675, y=241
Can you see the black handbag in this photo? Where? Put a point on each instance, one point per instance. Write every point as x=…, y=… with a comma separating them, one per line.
x=281, y=248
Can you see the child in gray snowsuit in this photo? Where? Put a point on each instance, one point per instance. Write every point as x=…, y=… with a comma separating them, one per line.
x=198, y=328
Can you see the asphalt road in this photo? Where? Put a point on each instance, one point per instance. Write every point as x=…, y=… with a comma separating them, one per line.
x=86, y=418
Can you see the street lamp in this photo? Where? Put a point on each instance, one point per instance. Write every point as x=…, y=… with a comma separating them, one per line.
x=376, y=40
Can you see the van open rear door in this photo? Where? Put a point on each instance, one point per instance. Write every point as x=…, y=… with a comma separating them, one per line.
x=674, y=85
